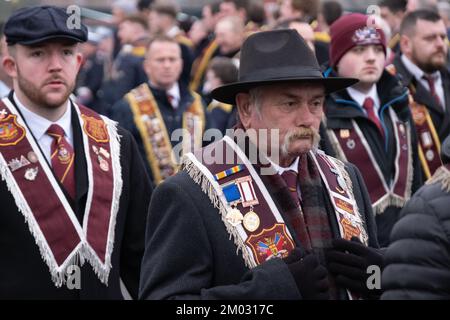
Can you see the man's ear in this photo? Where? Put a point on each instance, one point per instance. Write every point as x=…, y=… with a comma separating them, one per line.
x=10, y=66
x=244, y=109
x=79, y=60
x=405, y=45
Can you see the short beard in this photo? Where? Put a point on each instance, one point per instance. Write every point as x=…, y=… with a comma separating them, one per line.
x=299, y=133
x=34, y=94
x=429, y=66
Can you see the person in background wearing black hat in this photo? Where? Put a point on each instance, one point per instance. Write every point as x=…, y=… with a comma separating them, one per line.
x=251, y=215
x=369, y=124
x=73, y=192
x=417, y=262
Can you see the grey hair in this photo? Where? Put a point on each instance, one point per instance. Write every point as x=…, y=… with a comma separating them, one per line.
x=256, y=99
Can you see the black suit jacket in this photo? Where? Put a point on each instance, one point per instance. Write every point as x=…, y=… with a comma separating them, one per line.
x=439, y=115
x=24, y=274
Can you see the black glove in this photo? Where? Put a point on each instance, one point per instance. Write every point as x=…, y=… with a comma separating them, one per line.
x=310, y=276
x=348, y=261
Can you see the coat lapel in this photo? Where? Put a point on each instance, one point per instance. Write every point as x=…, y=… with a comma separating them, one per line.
x=81, y=178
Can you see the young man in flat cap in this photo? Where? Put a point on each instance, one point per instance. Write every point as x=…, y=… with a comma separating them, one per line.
x=73, y=187
x=235, y=225
x=369, y=124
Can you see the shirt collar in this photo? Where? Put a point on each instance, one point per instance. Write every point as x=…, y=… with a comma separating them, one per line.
x=416, y=71
x=174, y=91
x=280, y=170
x=39, y=125
x=173, y=31
x=359, y=96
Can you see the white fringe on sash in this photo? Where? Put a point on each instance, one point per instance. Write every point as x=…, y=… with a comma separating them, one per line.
x=442, y=176
x=192, y=166
x=58, y=274
x=389, y=199
x=102, y=269
x=336, y=146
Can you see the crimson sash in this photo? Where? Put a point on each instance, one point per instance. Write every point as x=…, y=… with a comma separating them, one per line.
x=352, y=146
x=61, y=239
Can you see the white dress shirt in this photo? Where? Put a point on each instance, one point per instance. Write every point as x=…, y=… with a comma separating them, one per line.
x=39, y=125
x=360, y=97
x=281, y=170
x=418, y=74
x=175, y=94
x=4, y=89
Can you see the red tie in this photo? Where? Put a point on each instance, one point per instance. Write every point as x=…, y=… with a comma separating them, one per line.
x=62, y=158
x=433, y=92
x=290, y=177
x=369, y=107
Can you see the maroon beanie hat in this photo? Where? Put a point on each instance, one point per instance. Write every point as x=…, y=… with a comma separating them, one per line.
x=352, y=30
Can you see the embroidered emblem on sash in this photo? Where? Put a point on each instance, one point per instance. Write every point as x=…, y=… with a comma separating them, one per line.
x=11, y=133
x=95, y=129
x=270, y=243
x=349, y=229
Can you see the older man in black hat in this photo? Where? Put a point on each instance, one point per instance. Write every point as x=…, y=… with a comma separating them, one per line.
x=73, y=187
x=250, y=216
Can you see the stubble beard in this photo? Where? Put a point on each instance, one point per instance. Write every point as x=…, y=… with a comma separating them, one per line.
x=35, y=95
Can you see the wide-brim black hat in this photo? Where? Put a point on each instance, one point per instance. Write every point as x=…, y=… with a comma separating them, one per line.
x=273, y=57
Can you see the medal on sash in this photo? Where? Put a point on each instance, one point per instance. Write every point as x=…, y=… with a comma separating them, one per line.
x=240, y=191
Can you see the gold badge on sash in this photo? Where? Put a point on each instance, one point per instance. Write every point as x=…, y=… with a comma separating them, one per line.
x=95, y=129
x=345, y=133
x=251, y=221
